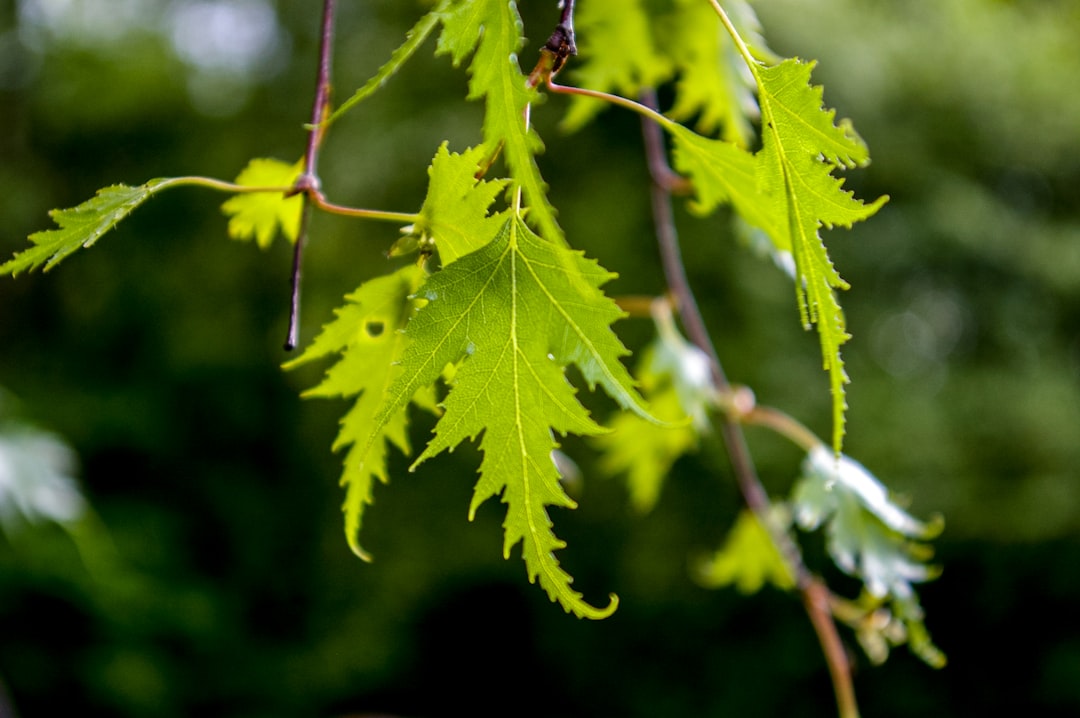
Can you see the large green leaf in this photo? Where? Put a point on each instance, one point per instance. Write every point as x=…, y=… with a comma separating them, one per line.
x=512, y=315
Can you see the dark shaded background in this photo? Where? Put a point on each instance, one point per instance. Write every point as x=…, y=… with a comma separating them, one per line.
x=229, y=589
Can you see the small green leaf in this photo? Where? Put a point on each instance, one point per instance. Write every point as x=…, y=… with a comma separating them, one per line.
x=260, y=215
x=749, y=558
x=868, y=536
x=455, y=211
x=367, y=339
x=512, y=316
x=81, y=226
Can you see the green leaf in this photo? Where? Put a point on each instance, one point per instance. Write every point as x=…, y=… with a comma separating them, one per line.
x=616, y=53
x=81, y=226
x=868, y=536
x=366, y=337
x=492, y=31
x=413, y=40
x=749, y=558
x=801, y=146
x=515, y=314
x=455, y=211
x=260, y=215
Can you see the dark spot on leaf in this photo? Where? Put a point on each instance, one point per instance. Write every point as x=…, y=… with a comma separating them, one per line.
x=374, y=329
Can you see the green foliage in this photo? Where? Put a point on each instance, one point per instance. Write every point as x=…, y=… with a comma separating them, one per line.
x=81, y=226
x=617, y=53
x=510, y=312
x=870, y=537
x=261, y=215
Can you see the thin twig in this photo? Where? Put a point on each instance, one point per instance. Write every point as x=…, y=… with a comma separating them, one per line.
x=308, y=182
x=814, y=593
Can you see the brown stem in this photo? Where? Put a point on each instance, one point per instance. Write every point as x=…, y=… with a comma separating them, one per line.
x=814, y=593
x=308, y=182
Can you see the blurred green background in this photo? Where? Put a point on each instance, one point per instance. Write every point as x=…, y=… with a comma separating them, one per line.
x=215, y=579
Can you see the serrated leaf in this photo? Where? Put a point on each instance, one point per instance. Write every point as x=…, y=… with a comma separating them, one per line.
x=491, y=31
x=749, y=558
x=616, y=53
x=801, y=147
x=455, y=211
x=366, y=337
x=513, y=317
x=867, y=535
x=260, y=215
x=81, y=226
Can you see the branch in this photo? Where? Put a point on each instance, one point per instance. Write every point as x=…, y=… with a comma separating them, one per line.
x=814, y=593
x=308, y=182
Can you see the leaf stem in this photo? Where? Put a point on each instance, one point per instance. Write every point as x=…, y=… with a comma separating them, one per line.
x=308, y=182
x=740, y=44
x=318, y=199
x=815, y=594
x=215, y=184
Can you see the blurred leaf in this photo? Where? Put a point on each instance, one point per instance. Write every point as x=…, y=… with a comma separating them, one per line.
x=868, y=535
x=260, y=215
x=749, y=559
x=617, y=54
x=676, y=379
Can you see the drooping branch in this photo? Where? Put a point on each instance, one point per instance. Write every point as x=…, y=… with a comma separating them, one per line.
x=815, y=594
